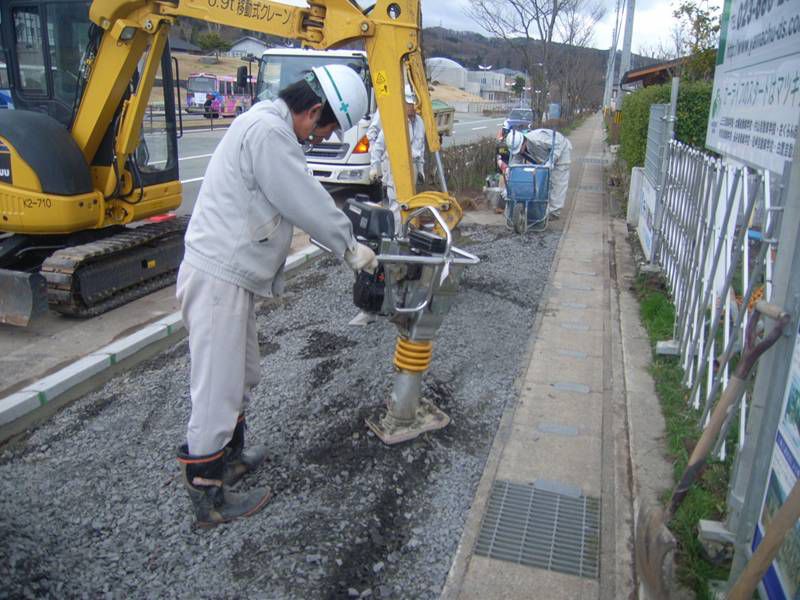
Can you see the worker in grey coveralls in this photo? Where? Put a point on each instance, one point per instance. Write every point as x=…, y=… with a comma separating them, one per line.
x=255, y=191
x=538, y=146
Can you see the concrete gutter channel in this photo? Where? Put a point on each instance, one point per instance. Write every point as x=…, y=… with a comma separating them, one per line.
x=41, y=399
x=630, y=450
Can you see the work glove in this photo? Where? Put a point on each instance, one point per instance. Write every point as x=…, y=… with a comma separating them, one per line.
x=373, y=174
x=361, y=259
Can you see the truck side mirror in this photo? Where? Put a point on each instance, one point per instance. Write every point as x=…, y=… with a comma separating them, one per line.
x=241, y=78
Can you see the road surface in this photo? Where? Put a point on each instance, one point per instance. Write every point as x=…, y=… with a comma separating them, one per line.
x=195, y=148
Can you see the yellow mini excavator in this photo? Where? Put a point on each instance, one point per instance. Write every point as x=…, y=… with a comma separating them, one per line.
x=79, y=174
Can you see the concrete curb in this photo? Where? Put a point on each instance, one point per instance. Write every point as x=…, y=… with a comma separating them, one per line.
x=87, y=373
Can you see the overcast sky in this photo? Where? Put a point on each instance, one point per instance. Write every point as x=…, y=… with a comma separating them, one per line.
x=652, y=21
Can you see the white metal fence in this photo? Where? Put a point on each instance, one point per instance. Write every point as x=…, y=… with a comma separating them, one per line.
x=716, y=249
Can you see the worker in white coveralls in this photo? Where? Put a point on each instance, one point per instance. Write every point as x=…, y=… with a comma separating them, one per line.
x=256, y=190
x=380, y=166
x=537, y=146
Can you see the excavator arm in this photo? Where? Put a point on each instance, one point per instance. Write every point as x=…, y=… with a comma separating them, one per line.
x=86, y=182
x=391, y=33
x=118, y=73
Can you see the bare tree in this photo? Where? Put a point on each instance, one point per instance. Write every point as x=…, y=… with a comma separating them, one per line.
x=533, y=28
x=528, y=26
x=575, y=28
x=664, y=51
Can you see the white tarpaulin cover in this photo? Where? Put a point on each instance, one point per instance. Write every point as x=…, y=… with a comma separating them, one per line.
x=539, y=144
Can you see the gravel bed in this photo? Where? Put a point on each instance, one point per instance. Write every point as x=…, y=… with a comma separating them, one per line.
x=91, y=504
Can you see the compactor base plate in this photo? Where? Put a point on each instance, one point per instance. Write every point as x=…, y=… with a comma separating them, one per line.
x=428, y=418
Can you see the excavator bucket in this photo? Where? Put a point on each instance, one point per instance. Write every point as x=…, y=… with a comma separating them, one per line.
x=22, y=296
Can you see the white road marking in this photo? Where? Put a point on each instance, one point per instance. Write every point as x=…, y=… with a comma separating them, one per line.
x=161, y=162
x=477, y=128
x=192, y=180
x=196, y=156
x=474, y=122
x=191, y=130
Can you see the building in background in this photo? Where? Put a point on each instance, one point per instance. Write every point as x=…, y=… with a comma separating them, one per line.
x=177, y=44
x=651, y=74
x=248, y=45
x=446, y=72
x=489, y=85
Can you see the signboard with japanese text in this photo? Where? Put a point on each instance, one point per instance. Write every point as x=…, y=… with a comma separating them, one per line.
x=782, y=580
x=755, y=104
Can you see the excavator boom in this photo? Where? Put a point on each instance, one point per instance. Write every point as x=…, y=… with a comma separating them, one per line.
x=89, y=180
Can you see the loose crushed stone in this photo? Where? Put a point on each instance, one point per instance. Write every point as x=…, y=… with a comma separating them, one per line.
x=91, y=504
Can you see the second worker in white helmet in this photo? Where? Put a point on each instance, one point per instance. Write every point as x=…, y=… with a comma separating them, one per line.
x=256, y=190
x=540, y=146
x=379, y=156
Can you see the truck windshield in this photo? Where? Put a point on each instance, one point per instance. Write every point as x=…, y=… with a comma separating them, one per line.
x=202, y=84
x=521, y=115
x=276, y=72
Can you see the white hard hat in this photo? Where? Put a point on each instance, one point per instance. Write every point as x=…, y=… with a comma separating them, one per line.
x=514, y=141
x=411, y=98
x=345, y=92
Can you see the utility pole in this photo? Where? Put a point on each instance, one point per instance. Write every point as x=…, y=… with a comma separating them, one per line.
x=625, y=65
x=612, y=56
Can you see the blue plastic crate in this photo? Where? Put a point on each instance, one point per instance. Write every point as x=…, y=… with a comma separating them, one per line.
x=529, y=184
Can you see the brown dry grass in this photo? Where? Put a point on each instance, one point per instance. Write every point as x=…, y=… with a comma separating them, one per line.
x=189, y=63
x=448, y=93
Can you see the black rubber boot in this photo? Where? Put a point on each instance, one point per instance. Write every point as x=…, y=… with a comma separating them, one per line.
x=212, y=503
x=239, y=461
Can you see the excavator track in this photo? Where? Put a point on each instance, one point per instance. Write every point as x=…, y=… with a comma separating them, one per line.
x=90, y=279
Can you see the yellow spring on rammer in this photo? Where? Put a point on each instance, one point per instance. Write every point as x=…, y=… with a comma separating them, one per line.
x=414, y=357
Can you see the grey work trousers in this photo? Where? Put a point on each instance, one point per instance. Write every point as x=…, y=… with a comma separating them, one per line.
x=225, y=361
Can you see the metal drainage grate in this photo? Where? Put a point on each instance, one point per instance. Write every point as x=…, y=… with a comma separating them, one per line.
x=539, y=528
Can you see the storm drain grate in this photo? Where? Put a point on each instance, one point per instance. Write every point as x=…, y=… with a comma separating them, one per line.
x=541, y=528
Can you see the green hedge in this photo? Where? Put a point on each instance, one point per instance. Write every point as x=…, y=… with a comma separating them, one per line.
x=694, y=102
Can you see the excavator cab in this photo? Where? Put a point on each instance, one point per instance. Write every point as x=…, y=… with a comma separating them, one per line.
x=42, y=45
x=48, y=50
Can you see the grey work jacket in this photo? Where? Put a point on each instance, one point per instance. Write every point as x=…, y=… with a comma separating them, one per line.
x=256, y=189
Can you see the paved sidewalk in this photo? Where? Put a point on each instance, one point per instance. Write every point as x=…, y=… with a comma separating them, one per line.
x=52, y=341
x=563, y=447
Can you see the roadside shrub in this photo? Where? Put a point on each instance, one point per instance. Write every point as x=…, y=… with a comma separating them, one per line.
x=635, y=117
x=466, y=165
x=694, y=102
